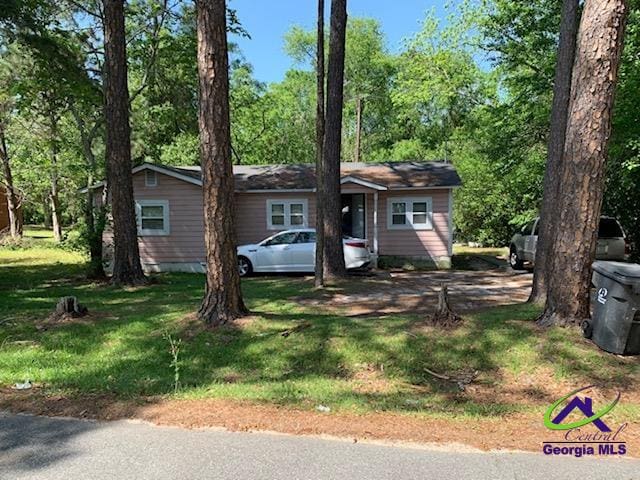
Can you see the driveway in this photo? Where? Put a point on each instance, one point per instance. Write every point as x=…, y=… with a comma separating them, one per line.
x=52, y=448
x=416, y=292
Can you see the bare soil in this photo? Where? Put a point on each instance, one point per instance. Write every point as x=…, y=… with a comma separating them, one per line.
x=512, y=432
x=417, y=292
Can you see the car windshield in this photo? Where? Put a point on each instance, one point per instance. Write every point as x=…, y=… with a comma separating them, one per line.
x=609, y=228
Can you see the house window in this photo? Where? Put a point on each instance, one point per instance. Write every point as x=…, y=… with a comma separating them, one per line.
x=150, y=179
x=152, y=217
x=283, y=214
x=398, y=213
x=410, y=213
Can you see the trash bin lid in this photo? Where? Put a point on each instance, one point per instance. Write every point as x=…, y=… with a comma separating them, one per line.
x=624, y=273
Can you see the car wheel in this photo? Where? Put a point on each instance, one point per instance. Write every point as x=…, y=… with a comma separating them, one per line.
x=514, y=259
x=244, y=266
x=587, y=329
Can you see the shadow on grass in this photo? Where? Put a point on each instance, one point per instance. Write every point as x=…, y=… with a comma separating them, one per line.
x=361, y=364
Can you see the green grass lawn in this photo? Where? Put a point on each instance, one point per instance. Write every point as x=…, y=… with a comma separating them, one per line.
x=37, y=232
x=459, y=249
x=349, y=364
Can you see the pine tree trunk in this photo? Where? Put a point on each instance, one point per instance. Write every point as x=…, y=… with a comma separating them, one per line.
x=126, y=260
x=53, y=194
x=319, y=278
x=13, y=202
x=595, y=73
x=222, y=301
x=559, y=114
x=359, y=111
x=332, y=216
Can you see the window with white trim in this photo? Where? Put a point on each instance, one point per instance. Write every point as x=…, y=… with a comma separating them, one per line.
x=152, y=217
x=150, y=178
x=414, y=213
x=284, y=214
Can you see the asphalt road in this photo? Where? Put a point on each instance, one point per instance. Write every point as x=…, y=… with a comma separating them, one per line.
x=47, y=448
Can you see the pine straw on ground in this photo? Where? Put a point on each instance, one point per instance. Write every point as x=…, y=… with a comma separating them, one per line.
x=522, y=431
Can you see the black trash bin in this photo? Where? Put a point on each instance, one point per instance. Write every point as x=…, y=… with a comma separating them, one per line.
x=615, y=308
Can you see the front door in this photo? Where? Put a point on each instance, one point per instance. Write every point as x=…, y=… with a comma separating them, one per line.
x=353, y=215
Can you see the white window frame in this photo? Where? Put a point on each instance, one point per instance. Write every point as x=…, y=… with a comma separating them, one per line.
x=409, y=225
x=287, y=213
x=143, y=232
x=150, y=181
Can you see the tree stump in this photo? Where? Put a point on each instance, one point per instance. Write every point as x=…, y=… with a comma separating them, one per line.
x=69, y=306
x=444, y=316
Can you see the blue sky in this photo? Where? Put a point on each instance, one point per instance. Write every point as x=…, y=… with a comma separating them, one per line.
x=268, y=20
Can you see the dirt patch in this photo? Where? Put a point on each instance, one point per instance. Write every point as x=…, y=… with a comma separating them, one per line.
x=513, y=432
x=370, y=379
x=54, y=320
x=190, y=326
x=417, y=292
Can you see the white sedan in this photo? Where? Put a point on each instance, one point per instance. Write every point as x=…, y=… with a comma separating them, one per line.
x=295, y=251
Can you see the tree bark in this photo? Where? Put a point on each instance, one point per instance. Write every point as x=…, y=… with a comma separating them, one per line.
x=53, y=194
x=595, y=73
x=332, y=216
x=559, y=115
x=126, y=261
x=319, y=273
x=222, y=301
x=359, y=110
x=13, y=200
x=444, y=316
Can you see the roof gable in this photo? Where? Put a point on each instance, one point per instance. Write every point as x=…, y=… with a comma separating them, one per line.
x=302, y=177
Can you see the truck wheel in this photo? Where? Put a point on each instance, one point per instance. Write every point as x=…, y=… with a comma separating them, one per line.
x=587, y=329
x=514, y=259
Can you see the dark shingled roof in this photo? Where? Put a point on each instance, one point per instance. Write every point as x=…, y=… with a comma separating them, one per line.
x=302, y=176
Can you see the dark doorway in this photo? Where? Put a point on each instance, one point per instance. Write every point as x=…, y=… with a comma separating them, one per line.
x=353, y=215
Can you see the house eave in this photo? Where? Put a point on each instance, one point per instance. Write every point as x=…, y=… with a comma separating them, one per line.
x=278, y=190
x=362, y=183
x=344, y=180
x=165, y=171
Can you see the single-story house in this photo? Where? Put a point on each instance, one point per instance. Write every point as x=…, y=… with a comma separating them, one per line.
x=403, y=209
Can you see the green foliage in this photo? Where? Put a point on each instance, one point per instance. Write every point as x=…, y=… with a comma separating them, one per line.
x=76, y=240
x=475, y=90
x=183, y=150
x=439, y=84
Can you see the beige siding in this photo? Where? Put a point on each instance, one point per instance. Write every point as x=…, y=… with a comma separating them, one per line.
x=251, y=221
x=186, y=240
x=433, y=243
